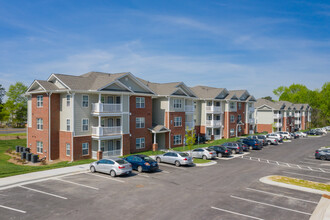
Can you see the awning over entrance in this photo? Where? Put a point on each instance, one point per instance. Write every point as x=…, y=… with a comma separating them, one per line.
x=159, y=129
x=160, y=140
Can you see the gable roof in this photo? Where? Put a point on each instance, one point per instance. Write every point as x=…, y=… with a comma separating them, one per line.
x=265, y=102
x=206, y=92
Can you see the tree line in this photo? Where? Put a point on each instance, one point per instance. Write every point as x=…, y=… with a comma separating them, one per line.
x=13, y=111
x=318, y=99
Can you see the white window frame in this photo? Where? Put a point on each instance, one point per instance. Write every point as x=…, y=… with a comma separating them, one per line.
x=232, y=105
x=239, y=128
x=139, y=121
x=68, y=149
x=177, y=103
x=140, y=102
x=68, y=125
x=82, y=101
x=40, y=102
x=82, y=147
x=40, y=124
x=239, y=106
x=68, y=100
x=177, y=121
x=140, y=143
x=176, y=139
x=232, y=132
x=239, y=117
x=40, y=147
x=82, y=124
x=232, y=117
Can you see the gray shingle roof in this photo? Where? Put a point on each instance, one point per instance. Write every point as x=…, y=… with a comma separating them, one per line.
x=48, y=85
x=206, y=92
x=274, y=105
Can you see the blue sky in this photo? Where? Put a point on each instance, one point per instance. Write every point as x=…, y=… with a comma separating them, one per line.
x=254, y=45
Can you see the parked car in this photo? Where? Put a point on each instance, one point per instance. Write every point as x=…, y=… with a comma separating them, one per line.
x=245, y=147
x=322, y=130
x=142, y=162
x=294, y=135
x=272, y=140
x=285, y=134
x=114, y=166
x=261, y=138
x=323, y=154
x=221, y=151
x=234, y=147
x=254, y=143
x=278, y=136
x=177, y=158
x=203, y=153
x=314, y=132
x=301, y=134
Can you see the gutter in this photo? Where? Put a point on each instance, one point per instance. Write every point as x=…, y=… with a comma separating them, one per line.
x=49, y=125
x=73, y=128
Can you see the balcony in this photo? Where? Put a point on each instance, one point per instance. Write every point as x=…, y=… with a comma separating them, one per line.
x=106, y=108
x=297, y=122
x=277, y=116
x=251, y=109
x=215, y=109
x=217, y=137
x=213, y=123
x=251, y=121
x=297, y=115
x=278, y=125
x=190, y=125
x=106, y=131
x=189, y=108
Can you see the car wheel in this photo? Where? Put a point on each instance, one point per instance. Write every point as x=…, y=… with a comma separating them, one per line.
x=112, y=173
x=285, y=138
x=204, y=157
x=177, y=163
x=269, y=142
x=233, y=151
x=92, y=169
x=158, y=159
x=250, y=148
x=323, y=157
x=139, y=169
x=219, y=155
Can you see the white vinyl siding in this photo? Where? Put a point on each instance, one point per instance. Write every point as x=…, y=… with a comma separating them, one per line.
x=177, y=139
x=140, y=143
x=40, y=101
x=140, y=122
x=140, y=102
x=177, y=121
x=40, y=146
x=85, y=149
x=40, y=124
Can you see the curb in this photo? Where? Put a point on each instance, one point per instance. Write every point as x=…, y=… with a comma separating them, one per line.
x=206, y=164
x=289, y=186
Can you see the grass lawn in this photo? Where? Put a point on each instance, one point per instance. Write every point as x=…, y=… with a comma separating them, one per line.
x=198, y=160
x=147, y=153
x=300, y=182
x=14, y=134
x=10, y=169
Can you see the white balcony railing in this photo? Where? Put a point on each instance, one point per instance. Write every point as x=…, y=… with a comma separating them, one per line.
x=106, y=108
x=190, y=125
x=213, y=109
x=217, y=137
x=104, y=131
x=297, y=115
x=107, y=154
x=277, y=116
x=213, y=123
x=278, y=125
x=189, y=108
x=297, y=122
x=251, y=121
x=251, y=109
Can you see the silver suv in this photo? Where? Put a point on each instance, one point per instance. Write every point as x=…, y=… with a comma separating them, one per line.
x=177, y=158
x=203, y=153
x=114, y=166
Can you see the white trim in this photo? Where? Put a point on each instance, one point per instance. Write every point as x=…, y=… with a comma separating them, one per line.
x=66, y=124
x=185, y=86
x=49, y=126
x=144, y=142
x=82, y=125
x=82, y=101
x=35, y=81
x=58, y=80
x=73, y=127
x=66, y=150
x=82, y=149
x=181, y=91
x=42, y=96
x=138, y=82
x=117, y=83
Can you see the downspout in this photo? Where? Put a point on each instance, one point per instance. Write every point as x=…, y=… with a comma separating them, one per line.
x=49, y=125
x=73, y=128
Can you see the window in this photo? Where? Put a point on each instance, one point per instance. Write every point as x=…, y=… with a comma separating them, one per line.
x=85, y=150
x=177, y=121
x=232, y=105
x=140, y=143
x=177, y=103
x=68, y=125
x=139, y=122
x=85, y=124
x=40, y=124
x=217, y=104
x=250, y=105
x=40, y=147
x=239, y=105
x=102, y=145
x=40, y=101
x=85, y=101
x=177, y=139
x=239, y=129
x=68, y=99
x=117, y=99
x=239, y=117
x=232, y=132
x=68, y=148
x=232, y=118
x=140, y=102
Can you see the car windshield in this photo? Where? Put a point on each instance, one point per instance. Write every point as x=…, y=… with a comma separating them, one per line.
x=121, y=161
x=184, y=154
x=209, y=149
x=147, y=159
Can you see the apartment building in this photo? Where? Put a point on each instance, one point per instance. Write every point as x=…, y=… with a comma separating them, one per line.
x=221, y=113
x=281, y=116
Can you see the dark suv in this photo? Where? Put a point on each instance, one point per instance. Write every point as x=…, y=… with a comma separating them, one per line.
x=323, y=154
x=254, y=143
x=221, y=151
x=234, y=147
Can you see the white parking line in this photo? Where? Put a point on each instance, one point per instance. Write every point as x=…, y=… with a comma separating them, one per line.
x=165, y=171
x=308, y=162
x=256, y=190
x=50, y=194
x=236, y=213
x=139, y=174
x=266, y=204
x=17, y=210
x=307, y=175
x=109, y=178
x=78, y=184
x=173, y=166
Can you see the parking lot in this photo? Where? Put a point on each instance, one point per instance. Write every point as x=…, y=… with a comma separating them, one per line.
x=228, y=190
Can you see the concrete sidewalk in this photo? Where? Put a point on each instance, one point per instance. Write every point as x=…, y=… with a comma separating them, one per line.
x=12, y=181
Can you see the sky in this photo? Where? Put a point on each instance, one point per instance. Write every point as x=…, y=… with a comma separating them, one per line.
x=234, y=44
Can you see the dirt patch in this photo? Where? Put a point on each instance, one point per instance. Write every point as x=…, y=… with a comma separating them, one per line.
x=16, y=159
x=12, y=137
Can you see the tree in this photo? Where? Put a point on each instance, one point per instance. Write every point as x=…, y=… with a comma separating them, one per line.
x=2, y=94
x=269, y=98
x=16, y=104
x=190, y=138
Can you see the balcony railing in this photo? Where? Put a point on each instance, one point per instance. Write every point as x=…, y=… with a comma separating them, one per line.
x=297, y=115
x=104, y=131
x=213, y=123
x=189, y=108
x=106, y=108
x=217, y=137
x=278, y=125
x=251, y=121
x=213, y=109
x=251, y=109
x=297, y=122
x=277, y=116
x=190, y=125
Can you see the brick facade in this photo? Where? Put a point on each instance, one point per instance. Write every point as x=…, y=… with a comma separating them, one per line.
x=55, y=125
x=140, y=132
x=77, y=147
x=169, y=121
x=65, y=137
x=264, y=127
x=126, y=144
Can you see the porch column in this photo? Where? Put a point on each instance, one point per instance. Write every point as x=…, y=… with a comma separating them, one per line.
x=99, y=152
x=154, y=138
x=154, y=145
x=99, y=97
